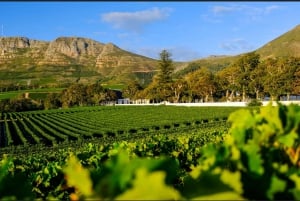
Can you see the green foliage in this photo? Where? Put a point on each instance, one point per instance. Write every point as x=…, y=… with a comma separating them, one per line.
x=132, y=90
x=283, y=46
x=254, y=103
x=280, y=77
x=62, y=174
x=260, y=152
x=19, y=104
x=10, y=180
x=160, y=89
x=165, y=67
x=258, y=160
x=88, y=122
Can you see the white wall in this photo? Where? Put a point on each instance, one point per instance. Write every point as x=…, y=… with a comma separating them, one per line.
x=216, y=104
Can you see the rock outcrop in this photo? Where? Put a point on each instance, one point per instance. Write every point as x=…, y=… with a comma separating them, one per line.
x=66, y=59
x=66, y=51
x=10, y=43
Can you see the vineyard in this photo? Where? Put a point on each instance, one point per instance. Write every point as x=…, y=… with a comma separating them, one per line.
x=56, y=126
x=152, y=153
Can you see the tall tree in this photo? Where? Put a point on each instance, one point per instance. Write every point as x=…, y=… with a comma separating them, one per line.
x=161, y=87
x=296, y=78
x=257, y=81
x=228, y=81
x=202, y=84
x=165, y=68
x=179, y=86
x=246, y=65
x=280, y=76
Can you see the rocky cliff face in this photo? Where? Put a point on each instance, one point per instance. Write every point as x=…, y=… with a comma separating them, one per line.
x=68, y=50
x=74, y=47
x=11, y=44
x=7, y=43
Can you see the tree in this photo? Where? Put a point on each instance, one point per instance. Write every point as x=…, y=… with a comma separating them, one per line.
x=75, y=95
x=132, y=90
x=95, y=94
x=52, y=101
x=228, y=82
x=178, y=87
x=280, y=76
x=201, y=83
x=151, y=92
x=296, y=78
x=161, y=86
x=246, y=65
x=257, y=81
x=165, y=67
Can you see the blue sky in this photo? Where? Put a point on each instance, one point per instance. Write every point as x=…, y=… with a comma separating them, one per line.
x=189, y=30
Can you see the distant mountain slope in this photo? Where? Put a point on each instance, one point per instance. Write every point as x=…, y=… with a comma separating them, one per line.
x=66, y=59
x=71, y=59
x=287, y=44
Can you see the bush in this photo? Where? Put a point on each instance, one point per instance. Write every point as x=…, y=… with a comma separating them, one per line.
x=254, y=102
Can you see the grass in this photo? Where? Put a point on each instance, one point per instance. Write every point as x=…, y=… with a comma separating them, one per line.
x=113, y=86
x=35, y=92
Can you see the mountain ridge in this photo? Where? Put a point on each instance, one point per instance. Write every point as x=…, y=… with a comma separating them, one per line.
x=65, y=59
x=285, y=45
x=105, y=60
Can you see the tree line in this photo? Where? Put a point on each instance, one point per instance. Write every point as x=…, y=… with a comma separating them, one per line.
x=75, y=95
x=249, y=77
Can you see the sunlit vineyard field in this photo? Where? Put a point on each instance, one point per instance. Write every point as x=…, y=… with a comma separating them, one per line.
x=151, y=153
x=56, y=126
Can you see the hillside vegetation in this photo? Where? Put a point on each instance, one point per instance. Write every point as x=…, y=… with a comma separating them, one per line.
x=286, y=45
x=67, y=60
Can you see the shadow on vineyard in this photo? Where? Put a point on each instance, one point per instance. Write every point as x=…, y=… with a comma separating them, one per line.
x=257, y=158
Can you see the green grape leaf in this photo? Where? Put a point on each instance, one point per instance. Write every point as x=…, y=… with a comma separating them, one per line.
x=5, y=164
x=277, y=185
x=150, y=186
x=208, y=182
x=289, y=139
x=228, y=195
x=272, y=116
x=254, y=158
x=242, y=120
x=232, y=179
x=296, y=190
x=235, y=153
x=117, y=174
x=77, y=176
x=16, y=186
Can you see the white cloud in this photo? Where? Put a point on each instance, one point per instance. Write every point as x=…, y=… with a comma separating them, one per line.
x=251, y=12
x=236, y=45
x=269, y=9
x=223, y=9
x=135, y=21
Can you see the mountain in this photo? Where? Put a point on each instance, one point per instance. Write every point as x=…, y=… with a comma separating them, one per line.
x=286, y=45
x=70, y=59
x=67, y=59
